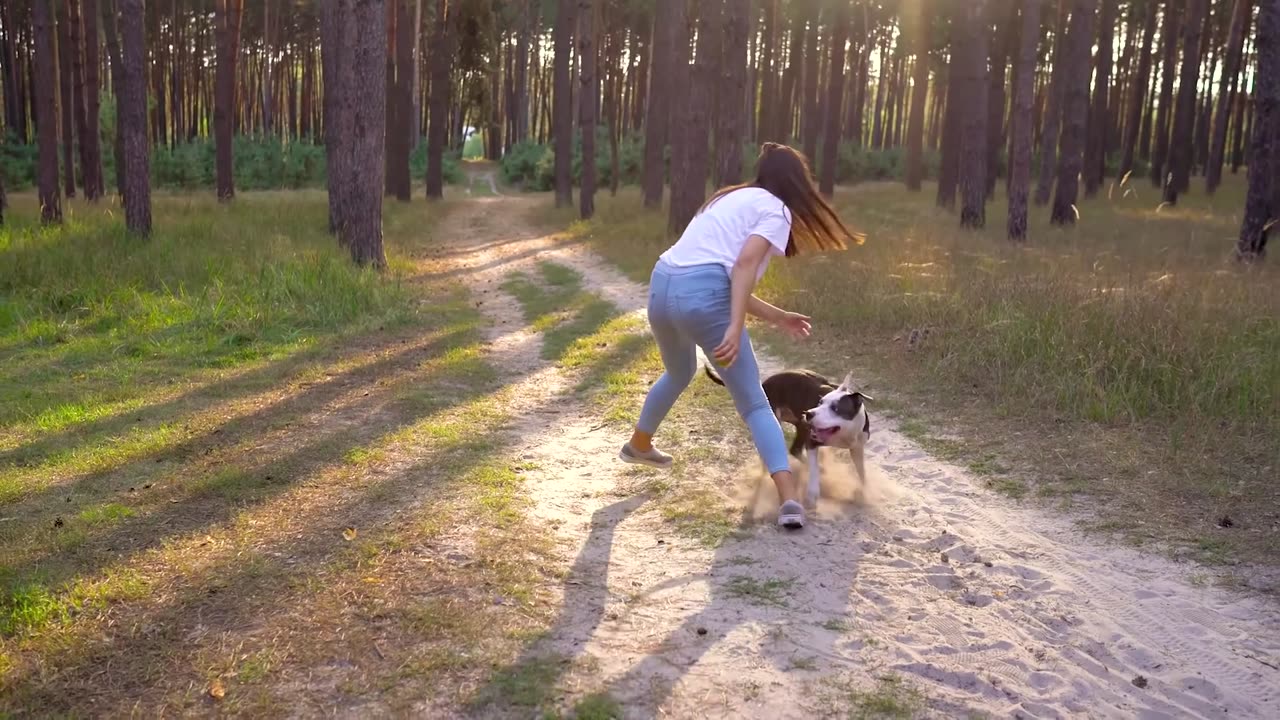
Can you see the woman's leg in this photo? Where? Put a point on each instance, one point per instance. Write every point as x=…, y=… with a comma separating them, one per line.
x=679, y=359
x=743, y=380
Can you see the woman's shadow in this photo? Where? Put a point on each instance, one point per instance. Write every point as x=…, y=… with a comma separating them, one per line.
x=797, y=586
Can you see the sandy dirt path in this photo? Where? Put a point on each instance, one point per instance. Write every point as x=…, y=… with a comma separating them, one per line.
x=944, y=598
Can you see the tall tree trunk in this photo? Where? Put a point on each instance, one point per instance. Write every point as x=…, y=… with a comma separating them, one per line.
x=414, y=126
x=111, y=35
x=949, y=173
x=835, y=92
x=690, y=152
x=399, y=103
x=562, y=107
x=90, y=143
x=1138, y=109
x=882, y=82
x=1260, y=204
x=670, y=44
x=365, y=102
x=1003, y=15
x=973, y=83
x=1050, y=134
x=1024, y=75
x=920, y=27
x=1180, y=143
x=811, y=117
x=765, y=131
x=731, y=91
x=46, y=110
x=132, y=116
x=588, y=102
x=1230, y=74
x=1242, y=132
x=521, y=81
x=68, y=105
x=333, y=57
x=227, y=15
x=305, y=129
x=791, y=80
x=1169, y=33
x=1095, y=154
x=1075, y=111
x=75, y=35
x=442, y=48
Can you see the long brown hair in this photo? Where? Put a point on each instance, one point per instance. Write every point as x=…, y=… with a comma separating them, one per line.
x=815, y=226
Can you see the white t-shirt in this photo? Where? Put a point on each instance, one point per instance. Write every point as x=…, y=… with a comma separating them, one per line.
x=717, y=234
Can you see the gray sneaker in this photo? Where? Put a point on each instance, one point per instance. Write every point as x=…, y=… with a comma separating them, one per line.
x=791, y=515
x=654, y=458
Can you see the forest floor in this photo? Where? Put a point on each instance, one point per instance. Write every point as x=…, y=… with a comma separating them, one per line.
x=428, y=519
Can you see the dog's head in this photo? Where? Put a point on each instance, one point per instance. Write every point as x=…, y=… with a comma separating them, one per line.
x=840, y=420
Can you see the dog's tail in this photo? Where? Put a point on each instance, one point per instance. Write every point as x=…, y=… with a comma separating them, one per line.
x=712, y=374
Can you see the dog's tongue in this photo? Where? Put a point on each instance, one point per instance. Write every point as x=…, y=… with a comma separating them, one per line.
x=823, y=434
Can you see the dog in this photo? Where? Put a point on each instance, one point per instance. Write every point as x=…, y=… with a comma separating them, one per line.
x=824, y=415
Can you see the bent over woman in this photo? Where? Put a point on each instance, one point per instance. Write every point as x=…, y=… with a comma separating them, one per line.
x=701, y=292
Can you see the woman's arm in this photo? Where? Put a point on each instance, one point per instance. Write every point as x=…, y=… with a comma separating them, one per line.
x=742, y=280
x=763, y=310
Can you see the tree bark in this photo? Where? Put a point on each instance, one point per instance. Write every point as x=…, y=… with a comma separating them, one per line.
x=973, y=84
x=1095, y=155
x=731, y=92
x=767, y=113
x=835, y=92
x=227, y=16
x=949, y=172
x=562, y=108
x=920, y=26
x=1260, y=203
x=811, y=118
x=1003, y=15
x=360, y=225
x=691, y=154
x=76, y=36
x=1050, y=134
x=1075, y=111
x=67, y=107
x=1138, y=96
x=400, y=105
x=1024, y=75
x=132, y=114
x=791, y=80
x=111, y=35
x=588, y=102
x=442, y=48
x=882, y=82
x=46, y=110
x=1180, y=143
x=1169, y=33
x=1230, y=73
x=668, y=34
x=90, y=143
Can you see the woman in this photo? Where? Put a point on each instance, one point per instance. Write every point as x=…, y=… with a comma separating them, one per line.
x=700, y=294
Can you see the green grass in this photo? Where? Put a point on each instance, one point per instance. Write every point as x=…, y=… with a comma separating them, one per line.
x=1129, y=358
x=161, y=503
x=761, y=592
x=892, y=698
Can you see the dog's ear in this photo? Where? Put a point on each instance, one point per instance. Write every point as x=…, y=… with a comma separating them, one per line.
x=864, y=396
x=848, y=383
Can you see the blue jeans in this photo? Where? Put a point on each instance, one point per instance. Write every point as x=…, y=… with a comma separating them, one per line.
x=688, y=307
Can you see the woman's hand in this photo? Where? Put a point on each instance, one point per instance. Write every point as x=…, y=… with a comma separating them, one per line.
x=794, y=324
x=727, y=351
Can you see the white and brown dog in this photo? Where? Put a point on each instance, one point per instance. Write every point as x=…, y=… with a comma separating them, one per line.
x=824, y=415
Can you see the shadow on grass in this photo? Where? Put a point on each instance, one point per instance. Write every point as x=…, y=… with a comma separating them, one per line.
x=201, y=493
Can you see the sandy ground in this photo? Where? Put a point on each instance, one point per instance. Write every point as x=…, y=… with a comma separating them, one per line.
x=986, y=607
